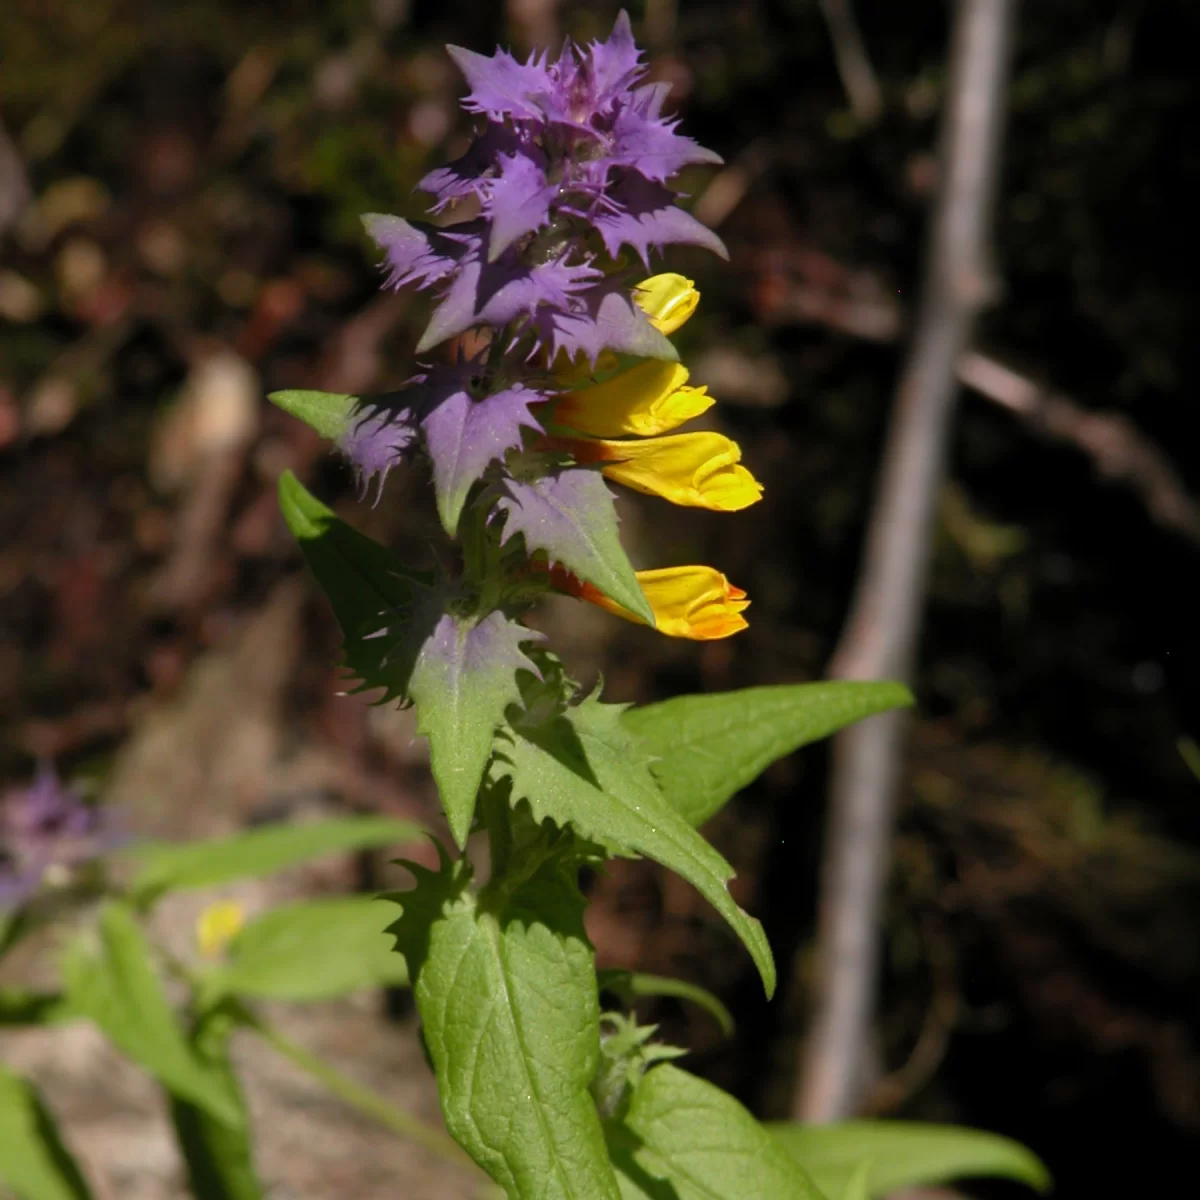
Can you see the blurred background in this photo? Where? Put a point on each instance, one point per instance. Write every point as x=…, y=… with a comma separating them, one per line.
x=180, y=185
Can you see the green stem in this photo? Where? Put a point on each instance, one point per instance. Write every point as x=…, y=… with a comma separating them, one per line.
x=363, y=1099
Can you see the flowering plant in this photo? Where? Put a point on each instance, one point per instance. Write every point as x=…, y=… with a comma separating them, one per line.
x=546, y=372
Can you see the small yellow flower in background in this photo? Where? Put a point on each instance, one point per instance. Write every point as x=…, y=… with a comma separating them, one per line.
x=698, y=470
x=218, y=925
x=668, y=300
x=647, y=399
x=687, y=602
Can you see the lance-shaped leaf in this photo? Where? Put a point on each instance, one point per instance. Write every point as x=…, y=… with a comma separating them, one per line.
x=507, y=996
x=169, y=866
x=272, y=957
x=459, y=671
x=570, y=515
x=376, y=433
x=906, y=1154
x=118, y=989
x=583, y=769
x=365, y=583
x=710, y=747
x=463, y=435
x=34, y=1162
x=685, y=1139
x=219, y=1157
x=463, y=679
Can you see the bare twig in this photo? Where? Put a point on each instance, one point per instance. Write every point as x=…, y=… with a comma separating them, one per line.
x=880, y=635
x=1118, y=449
x=15, y=192
x=853, y=63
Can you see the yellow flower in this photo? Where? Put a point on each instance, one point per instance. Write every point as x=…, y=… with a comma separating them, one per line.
x=668, y=300
x=218, y=925
x=687, y=602
x=647, y=399
x=699, y=470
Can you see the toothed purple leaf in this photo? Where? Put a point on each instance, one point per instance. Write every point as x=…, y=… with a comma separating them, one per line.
x=380, y=434
x=463, y=680
x=641, y=138
x=462, y=435
x=501, y=86
x=570, y=516
x=519, y=200
x=603, y=317
x=413, y=253
x=497, y=293
x=647, y=216
x=470, y=173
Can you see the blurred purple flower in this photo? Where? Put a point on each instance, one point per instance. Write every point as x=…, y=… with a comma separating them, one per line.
x=43, y=826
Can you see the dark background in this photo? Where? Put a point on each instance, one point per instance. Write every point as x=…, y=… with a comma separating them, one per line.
x=189, y=241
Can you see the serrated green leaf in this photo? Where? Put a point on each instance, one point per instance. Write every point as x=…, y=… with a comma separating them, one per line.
x=116, y=987
x=365, y=582
x=310, y=950
x=463, y=680
x=709, y=747
x=170, y=866
x=507, y=995
x=905, y=1154
x=630, y=985
x=327, y=412
x=219, y=1158
x=684, y=1139
x=34, y=1161
x=583, y=769
x=570, y=516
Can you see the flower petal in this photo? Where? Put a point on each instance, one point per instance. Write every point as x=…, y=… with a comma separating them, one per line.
x=647, y=399
x=698, y=470
x=668, y=300
x=688, y=602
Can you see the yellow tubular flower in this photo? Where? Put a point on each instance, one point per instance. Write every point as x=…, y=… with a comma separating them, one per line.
x=668, y=300
x=698, y=470
x=687, y=602
x=218, y=925
x=647, y=399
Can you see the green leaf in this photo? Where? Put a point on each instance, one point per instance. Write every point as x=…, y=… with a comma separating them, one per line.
x=166, y=866
x=365, y=582
x=859, y=1185
x=117, y=988
x=219, y=1157
x=630, y=985
x=583, y=769
x=34, y=1161
x=463, y=680
x=327, y=412
x=906, y=1154
x=310, y=950
x=507, y=995
x=570, y=515
x=710, y=747
x=20, y=1007
x=684, y=1139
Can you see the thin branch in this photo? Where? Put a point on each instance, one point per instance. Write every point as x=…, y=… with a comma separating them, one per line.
x=853, y=63
x=1118, y=449
x=15, y=192
x=880, y=636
